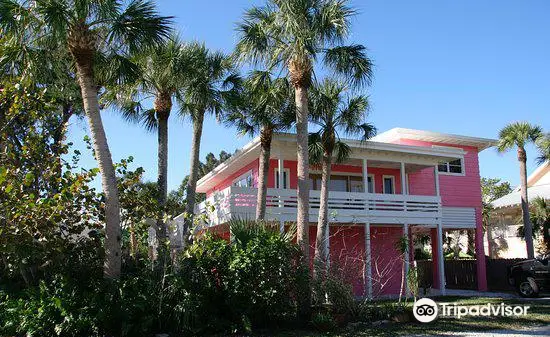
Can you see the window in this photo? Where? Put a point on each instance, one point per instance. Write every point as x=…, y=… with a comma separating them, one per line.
x=286, y=178
x=389, y=184
x=244, y=181
x=370, y=182
x=356, y=184
x=452, y=167
x=338, y=183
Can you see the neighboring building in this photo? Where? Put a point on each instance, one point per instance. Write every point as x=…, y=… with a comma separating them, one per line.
x=401, y=182
x=502, y=233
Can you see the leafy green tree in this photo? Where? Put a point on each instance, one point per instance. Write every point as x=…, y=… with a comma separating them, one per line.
x=213, y=82
x=49, y=67
x=265, y=106
x=95, y=35
x=518, y=135
x=40, y=210
x=293, y=35
x=491, y=190
x=335, y=113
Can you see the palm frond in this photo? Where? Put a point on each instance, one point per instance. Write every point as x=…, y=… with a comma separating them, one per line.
x=543, y=145
x=342, y=151
x=139, y=26
x=350, y=62
x=518, y=134
x=316, y=148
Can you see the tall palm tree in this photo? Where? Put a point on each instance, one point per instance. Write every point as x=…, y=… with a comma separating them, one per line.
x=265, y=106
x=96, y=35
x=519, y=134
x=213, y=83
x=162, y=77
x=293, y=35
x=334, y=113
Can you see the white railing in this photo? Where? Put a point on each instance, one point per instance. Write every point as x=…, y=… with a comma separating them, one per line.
x=240, y=202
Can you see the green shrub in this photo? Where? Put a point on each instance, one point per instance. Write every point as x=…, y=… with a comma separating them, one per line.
x=241, y=285
x=323, y=322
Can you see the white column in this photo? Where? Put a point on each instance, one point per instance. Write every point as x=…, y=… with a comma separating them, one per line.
x=368, y=262
x=407, y=257
x=441, y=260
x=281, y=182
x=365, y=177
x=281, y=226
x=436, y=177
x=404, y=187
x=281, y=172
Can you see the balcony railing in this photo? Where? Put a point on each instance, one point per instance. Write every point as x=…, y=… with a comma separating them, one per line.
x=281, y=204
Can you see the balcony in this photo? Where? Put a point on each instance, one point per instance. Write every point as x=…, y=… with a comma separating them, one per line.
x=344, y=207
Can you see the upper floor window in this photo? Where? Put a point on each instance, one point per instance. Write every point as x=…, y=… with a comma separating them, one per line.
x=452, y=167
x=389, y=184
x=244, y=181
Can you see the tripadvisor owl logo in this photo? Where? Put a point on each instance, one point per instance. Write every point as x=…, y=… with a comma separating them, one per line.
x=425, y=310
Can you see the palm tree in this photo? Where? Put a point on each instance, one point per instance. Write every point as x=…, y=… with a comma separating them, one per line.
x=162, y=77
x=266, y=106
x=213, y=83
x=334, y=113
x=519, y=134
x=96, y=35
x=293, y=35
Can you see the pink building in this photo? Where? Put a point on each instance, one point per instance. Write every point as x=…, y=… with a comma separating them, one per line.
x=401, y=182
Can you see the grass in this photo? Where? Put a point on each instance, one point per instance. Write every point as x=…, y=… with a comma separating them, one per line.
x=538, y=315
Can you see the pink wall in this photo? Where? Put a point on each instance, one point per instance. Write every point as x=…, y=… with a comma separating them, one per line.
x=458, y=191
x=387, y=261
x=336, y=169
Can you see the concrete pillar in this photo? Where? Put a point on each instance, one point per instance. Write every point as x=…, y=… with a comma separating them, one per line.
x=404, y=187
x=441, y=258
x=435, y=257
x=368, y=262
x=480, y=254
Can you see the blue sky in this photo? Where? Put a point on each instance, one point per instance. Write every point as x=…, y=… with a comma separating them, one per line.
x=466, y=67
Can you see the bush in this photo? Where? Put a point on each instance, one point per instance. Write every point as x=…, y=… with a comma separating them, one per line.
x=323, y=322
x=241, y=285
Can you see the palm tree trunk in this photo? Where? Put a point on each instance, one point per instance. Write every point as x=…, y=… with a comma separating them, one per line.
x=193, y=174
x=163, y=105
x=266, y=136
x=527, y=227
x=302, y=218
x=162, y=173
x=113, y=258
x=303, y=170
x=321, y=249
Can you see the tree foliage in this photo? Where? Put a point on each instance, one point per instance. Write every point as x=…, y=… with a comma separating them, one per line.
x=40, y=210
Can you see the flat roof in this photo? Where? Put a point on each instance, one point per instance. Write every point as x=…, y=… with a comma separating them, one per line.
x=436, y=137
